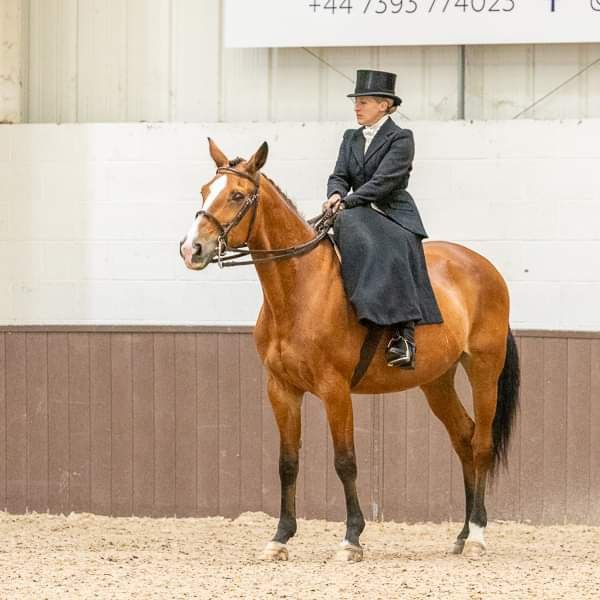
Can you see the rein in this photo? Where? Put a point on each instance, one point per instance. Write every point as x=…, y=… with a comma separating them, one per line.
x=227, y=256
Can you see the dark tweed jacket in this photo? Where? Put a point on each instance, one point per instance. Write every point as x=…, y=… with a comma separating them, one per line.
x=381, y=176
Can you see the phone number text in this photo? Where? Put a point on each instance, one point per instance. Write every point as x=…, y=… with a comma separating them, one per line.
x=409, y=7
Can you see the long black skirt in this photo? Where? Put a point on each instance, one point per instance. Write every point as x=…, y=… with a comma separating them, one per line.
x=384, y=270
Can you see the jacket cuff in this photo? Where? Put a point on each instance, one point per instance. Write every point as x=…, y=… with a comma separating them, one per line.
x=351, y=201
x=333, y=191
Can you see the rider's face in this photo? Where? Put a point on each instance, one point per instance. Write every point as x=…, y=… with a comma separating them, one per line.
x=369, y=110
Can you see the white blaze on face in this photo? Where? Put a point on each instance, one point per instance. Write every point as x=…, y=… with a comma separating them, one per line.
x=217, y=186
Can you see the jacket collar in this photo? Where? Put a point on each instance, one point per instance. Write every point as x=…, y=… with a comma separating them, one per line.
x=358, y=142
x=380, y=137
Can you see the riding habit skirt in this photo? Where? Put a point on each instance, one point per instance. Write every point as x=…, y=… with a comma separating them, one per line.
x=383, y=268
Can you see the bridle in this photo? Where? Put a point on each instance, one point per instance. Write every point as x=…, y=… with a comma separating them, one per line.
x=227, y=255
x=224, y=229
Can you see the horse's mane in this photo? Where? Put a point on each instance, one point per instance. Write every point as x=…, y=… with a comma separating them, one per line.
x=283, y=194
x=234, y=162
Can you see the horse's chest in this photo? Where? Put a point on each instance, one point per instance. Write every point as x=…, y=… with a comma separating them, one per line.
x=287, y=360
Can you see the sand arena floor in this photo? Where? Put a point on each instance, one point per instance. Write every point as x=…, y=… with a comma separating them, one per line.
x=86, y=556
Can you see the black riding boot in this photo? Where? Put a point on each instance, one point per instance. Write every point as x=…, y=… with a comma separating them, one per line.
x=401, y=350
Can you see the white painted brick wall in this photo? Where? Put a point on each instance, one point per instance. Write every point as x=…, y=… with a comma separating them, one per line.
x=91, y=215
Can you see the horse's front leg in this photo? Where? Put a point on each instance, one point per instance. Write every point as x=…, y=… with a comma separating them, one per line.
x=338, y=404
x=287, y=406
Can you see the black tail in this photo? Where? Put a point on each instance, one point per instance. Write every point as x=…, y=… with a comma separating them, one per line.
x=507, y=404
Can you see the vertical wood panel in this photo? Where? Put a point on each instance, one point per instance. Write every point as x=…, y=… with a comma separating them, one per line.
x=58, y=423
x=594, y=514
x=143, y=423
x=490, y=71
x=37, y=421
x=554, y=64
x=394, y=457
x=109, y=60
x=53, y=74
x=251, y=424
x=315, y=451
x=198, y=401
x=102, y=61
x=366, y=430
x=377, y=458
x=208, y=424
x=79, y=421
x=121, y=425
x=164, y=415
x=291, y=65
x=301, y=483
x=514, y=455
x=417, y=456
x=532, y=428
x=16, y=423
x=101, y=423
x=457, y=486
x=555, y=430
x=196, y=60
x=229, y=425
x=335, y=106
x=440, y=483
x=148, y=67
x=578, y=430
x=242, y=70
x=3, y=447
x=185, y=425
x=427, y=79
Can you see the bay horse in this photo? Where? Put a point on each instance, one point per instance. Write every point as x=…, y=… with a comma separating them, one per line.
x=309, y=339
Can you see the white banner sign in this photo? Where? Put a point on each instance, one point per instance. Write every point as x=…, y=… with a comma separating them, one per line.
x=289, y=23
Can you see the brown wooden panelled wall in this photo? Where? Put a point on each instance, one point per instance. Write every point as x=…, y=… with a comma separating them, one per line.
x=162, y=421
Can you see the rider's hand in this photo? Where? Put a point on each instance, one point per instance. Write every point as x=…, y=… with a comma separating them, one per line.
x=333, y=203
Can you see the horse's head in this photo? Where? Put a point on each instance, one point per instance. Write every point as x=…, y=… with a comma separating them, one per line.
x=228, y=207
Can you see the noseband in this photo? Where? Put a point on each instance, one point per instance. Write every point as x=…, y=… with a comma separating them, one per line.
x=227, y=254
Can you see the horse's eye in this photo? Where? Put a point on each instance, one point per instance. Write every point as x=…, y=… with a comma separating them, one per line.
x=237, y=196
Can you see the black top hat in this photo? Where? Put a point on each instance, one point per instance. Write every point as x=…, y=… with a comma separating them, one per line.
x=376, y=83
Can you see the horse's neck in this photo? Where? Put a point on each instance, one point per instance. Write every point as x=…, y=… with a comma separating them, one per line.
x=278, y=225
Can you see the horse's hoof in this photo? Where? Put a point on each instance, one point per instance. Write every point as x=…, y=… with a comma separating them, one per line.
x=275, y=551
x=473, y=550
x=349, y=553
x=458, y=546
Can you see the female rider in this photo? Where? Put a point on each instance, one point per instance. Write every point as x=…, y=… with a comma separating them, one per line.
x=379, y=231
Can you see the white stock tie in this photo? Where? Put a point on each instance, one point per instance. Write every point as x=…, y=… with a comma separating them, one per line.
x=369, y=133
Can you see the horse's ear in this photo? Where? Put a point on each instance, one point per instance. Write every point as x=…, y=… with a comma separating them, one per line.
x=259, y=158
x=217, y=154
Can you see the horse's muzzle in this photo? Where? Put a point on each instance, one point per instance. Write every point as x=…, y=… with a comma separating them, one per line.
x=191, y=252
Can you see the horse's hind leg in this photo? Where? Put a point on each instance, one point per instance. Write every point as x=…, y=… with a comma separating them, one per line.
x=447, y=407
x=287, y=405
x=483, y=370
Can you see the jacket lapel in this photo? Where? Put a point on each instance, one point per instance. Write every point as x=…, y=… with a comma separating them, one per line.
x=358, y=146
x=379, y=138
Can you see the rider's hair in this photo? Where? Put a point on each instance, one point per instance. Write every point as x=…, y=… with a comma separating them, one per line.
x=391, y=108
